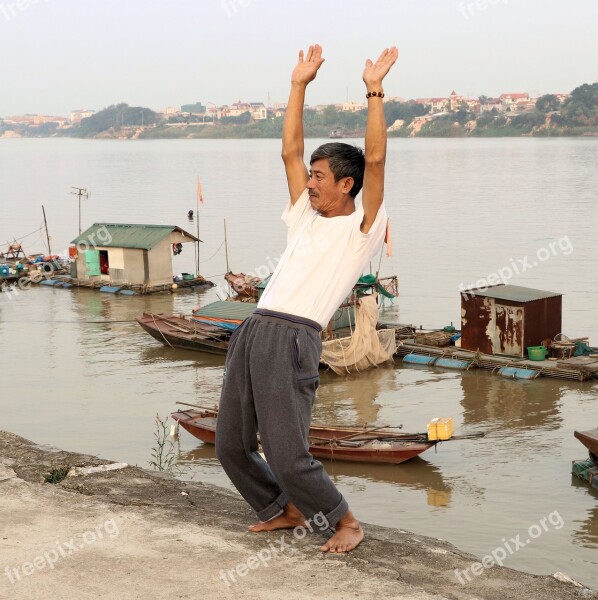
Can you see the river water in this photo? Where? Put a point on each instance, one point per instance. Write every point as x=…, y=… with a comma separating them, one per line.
x=79, y=374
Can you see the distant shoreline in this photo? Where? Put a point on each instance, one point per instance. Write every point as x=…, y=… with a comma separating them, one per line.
x=568, y=135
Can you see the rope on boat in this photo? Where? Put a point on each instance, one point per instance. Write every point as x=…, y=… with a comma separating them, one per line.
x=156, y=324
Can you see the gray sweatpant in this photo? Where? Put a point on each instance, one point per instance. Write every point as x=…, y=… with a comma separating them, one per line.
x=270, y=381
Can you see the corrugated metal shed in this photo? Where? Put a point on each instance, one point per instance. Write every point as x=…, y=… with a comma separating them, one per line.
x=126, y=235
x=513, y=293
x=507, y=319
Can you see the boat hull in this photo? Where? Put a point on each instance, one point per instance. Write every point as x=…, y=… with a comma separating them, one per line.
x=328, y=443
x=169, y=332
x=589, y=439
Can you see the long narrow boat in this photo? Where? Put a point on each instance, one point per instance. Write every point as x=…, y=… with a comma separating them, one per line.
x=178, y=332
x=334, y=443
x=590, y=440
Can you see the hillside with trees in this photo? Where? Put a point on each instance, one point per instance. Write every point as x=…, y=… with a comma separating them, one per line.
x=577, y=115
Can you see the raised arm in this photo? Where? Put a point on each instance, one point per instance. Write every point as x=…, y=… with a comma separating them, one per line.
x=292, y=132
x=375, y=136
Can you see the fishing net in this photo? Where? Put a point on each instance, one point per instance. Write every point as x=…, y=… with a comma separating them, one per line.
x=366, y=347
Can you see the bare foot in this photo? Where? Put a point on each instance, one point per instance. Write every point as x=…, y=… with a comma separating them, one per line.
x=348, y=536
x=290, y=518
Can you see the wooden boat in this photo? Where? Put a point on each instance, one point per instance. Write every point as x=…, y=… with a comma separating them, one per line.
x=590, y=440
x=244, y=286
x=369, y=445
x=179, y=332
x=209, y=328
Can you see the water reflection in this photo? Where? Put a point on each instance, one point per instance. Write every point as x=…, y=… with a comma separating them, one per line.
x=353, y=400
x=508, y=404
x=586, y=534
x=416, y=474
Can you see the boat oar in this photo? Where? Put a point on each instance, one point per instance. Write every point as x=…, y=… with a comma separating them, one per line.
x=330, y=441
x=210, y=410
x=359, y=433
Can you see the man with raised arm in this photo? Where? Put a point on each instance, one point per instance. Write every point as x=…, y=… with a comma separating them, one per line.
x=271, y=372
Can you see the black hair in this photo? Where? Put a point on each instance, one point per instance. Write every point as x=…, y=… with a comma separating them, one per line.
x=344, y=161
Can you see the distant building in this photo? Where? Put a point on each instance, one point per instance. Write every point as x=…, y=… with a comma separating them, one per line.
x=434, y=104
x=491, y=104
x=171, y=110
x=42, y=119
x=194, y=109
x=238, y=108
x=455, y=101
x=34, y=120
x=122, y=253
x=516, y=101
x=78, y=115
x=258, y=111
x=217, y=112
x=20, y=119
x=351, y=106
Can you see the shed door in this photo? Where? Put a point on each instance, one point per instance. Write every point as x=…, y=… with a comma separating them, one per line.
x=92, y=262
x=508, y=334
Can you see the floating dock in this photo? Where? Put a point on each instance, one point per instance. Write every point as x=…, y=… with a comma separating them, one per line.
x=579, y=368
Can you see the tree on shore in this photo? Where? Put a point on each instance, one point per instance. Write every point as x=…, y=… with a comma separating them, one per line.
x=548, y=103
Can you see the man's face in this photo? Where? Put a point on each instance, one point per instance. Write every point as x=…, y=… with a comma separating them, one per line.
x=325, y=194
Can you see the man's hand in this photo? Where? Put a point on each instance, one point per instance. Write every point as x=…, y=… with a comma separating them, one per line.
x=374, y=73
x=306, y=69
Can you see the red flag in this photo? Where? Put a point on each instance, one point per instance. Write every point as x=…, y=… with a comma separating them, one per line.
x=199, y=194
x=388, y=239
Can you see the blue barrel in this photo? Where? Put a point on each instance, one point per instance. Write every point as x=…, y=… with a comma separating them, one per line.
x=453, y=363
x=416, y=359
x=516, y=373
x=4, y=270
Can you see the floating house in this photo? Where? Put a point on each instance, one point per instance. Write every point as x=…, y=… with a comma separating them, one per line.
x=127, y=255
x=507, y=319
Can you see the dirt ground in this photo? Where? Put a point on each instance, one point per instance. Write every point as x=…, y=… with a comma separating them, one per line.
x=129, y=533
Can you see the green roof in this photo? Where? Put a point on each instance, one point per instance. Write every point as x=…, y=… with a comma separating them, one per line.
x=225, y=309
x=514, y=293
x=126, y=235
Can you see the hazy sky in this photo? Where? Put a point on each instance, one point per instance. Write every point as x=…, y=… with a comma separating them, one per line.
x=60, y=55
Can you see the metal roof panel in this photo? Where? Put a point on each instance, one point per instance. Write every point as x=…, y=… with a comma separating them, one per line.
x=225, y=309
x=127, y=235
x=513, y=293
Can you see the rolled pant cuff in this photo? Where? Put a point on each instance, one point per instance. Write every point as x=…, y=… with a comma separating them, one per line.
x=335, y=515
x=274, y=509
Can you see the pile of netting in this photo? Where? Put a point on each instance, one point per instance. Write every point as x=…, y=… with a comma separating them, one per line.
x=366, y=347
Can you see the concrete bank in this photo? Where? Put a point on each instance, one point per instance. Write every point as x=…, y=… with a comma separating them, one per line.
x=129, y=533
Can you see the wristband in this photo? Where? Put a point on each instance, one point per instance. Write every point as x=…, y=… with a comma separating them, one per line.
x=375, y=94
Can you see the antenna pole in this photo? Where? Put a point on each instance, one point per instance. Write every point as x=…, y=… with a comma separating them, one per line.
x=226, y=247
x=81, y=193
x=47, y=233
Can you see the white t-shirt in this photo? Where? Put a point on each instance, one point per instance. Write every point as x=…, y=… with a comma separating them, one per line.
x=324, y=258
